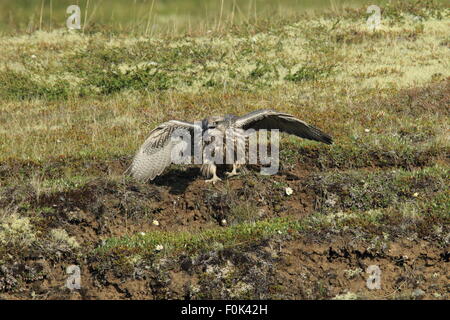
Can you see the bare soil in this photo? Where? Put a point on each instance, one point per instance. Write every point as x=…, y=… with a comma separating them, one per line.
x=314, y=265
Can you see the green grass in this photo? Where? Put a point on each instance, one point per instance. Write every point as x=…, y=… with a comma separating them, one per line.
x=190, y=242
x=359, y=190
x=148, y=17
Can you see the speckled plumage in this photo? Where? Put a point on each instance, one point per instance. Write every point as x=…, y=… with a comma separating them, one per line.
x=155, y=153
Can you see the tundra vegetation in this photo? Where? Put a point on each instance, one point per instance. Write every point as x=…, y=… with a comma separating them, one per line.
x=76, y=104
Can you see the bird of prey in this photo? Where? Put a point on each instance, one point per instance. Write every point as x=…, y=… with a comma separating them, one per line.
x=156, y=152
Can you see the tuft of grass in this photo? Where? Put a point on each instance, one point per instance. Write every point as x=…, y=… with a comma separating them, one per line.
x=17, y=86
x=110, y=82
x=356, y=190
x=246, y=212
x=308, y=73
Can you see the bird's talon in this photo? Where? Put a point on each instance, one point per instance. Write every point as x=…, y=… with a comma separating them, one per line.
x=231, y=174
x=213, y=180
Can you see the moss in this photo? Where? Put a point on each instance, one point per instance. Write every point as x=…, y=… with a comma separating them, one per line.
x=16, y=231
x=346, y=296
x=60, y=237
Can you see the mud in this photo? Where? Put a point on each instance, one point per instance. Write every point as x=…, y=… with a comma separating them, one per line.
x=314, y=265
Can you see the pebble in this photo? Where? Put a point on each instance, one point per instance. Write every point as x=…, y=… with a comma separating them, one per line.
x=418, y=293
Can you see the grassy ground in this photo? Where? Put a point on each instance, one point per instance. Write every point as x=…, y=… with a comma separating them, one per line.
x=75, y=106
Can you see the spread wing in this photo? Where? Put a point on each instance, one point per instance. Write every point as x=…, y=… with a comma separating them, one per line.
x=155, y=154
x=270, y=119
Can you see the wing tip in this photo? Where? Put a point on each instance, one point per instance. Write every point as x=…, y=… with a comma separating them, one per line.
x=320, y=136
x=327, y=139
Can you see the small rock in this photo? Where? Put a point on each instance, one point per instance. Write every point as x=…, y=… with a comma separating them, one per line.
x=289, y=191
x=346, y=296
x=418, y=293
x=186, y=264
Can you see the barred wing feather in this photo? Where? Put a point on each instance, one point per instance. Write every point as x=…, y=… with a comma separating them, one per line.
x=270, y=119
x=155, y=154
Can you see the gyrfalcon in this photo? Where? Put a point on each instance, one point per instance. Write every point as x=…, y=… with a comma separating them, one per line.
x=156, y=153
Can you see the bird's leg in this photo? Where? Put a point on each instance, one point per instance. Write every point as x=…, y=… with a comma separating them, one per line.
x=234, y=171
x=214, y=178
